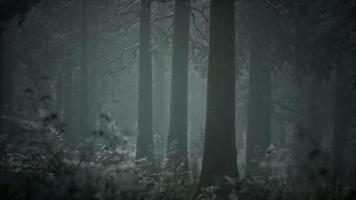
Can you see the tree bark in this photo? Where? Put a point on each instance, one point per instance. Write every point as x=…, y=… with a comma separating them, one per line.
x=68, y=102
x=177, y=137
x=92, y=72
x=307, y=143
x=219, y=155
x=84, y=106
x=353, y=110
x=341, y=119
x=59, y=95
x=160, y=106
x=6, y=76
x=144, y=147
x=259, y=102
x=1, y=77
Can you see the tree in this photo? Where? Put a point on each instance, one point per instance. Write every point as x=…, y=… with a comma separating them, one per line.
x=259, y=99
x=305, y=135
x=145, y=116
x=84, y=106
x=313, y=60
x=1, y=76
x=9, y=10
x=341, y=118
x=160, y=104
x=177, y=138
x=161, y=52
x=219, y=158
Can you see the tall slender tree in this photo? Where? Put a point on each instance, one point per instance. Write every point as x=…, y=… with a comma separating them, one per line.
x=7, y=75
x=219, y=159
x=93, y=58
x=160, y=102
x=307, y=130
x=83, y=111
x=145, y=115
x=177, y=137
x=9, y=10
x=1, y=76
x=67, y=78
x=259, y=99
x=342, y=117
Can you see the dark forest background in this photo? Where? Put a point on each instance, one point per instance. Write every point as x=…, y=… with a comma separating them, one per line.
x=178, y=99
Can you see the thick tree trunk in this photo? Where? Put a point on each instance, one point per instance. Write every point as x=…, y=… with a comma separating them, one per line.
x=59, y=96
x=160, y=106
x=299, y=134
x=92, y=99
x=341, y=119
x=1, y=78
x=353, y=114
x=307, y=133
x=6, y=77
x=68, y=85
x=84, y=106
x=144, y=147
x=92, y=74
x=313, y=114
x=220, y=157
x=177, y=137
x=68, y=103
x=259, y=102
x=307, y=143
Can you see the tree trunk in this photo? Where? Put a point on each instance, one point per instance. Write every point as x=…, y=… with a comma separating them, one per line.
x=160, y=106
x=299, y=134
x=1, y=78
x=84, y=108
x=177, y=137
x=259, y=102
x=220, y=157
x=68, y=85
x=93, y=70
x=145, y=115
x=353, y=113
x=92, y=98
x=6, y=76
x=68, y=101
x=59, y=95
x=307, y=142
x=306, y=134
x=341, y=119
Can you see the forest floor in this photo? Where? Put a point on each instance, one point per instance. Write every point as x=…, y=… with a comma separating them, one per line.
x=45, y=164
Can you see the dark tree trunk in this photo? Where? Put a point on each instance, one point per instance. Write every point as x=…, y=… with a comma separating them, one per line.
x=6, y=77
x=313, y=113
x=1, y=77
x=299, y=134
x=92, y=74
x=177, y=137
x=145, y=115
x=259, y=102
x=341, y=119
x=68, y=101
x=353, y=113
x=314, y=154
x=84, y=106
x=307, y=132
x=160, y=106
x=220, y=157
x=68, y=85
x=59, y=96
x=92, y=98
x=307, y=149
